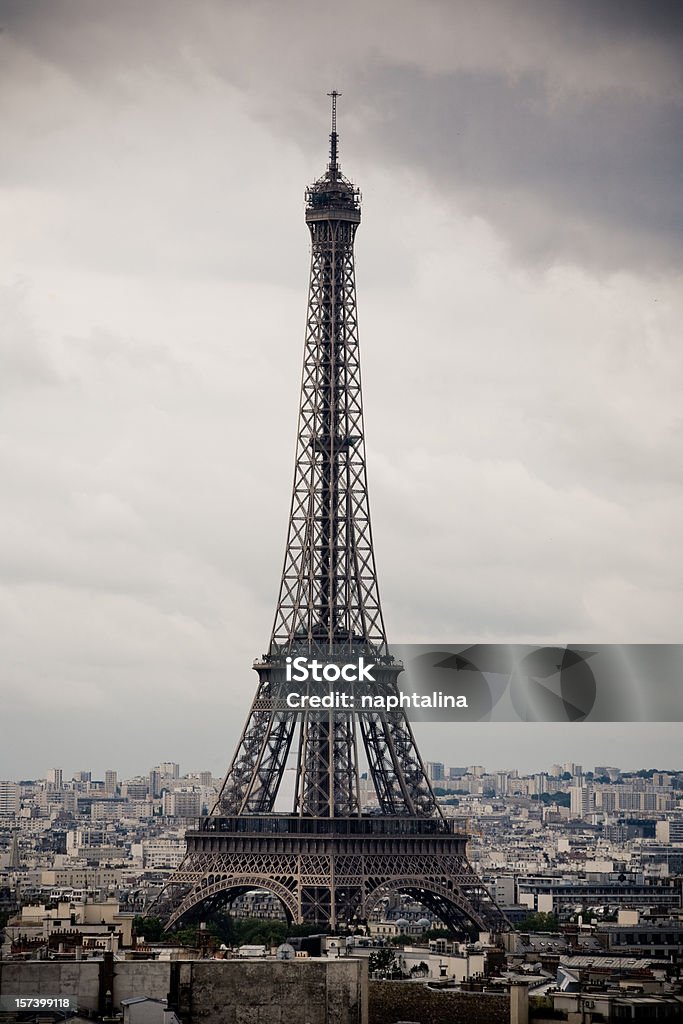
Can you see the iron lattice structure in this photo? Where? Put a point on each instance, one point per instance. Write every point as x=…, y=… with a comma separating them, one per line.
x=327, y=861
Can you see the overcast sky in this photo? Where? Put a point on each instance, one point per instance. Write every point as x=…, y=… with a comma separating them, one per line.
x=519, y=270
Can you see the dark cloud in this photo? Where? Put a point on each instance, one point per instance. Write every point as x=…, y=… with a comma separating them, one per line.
x=661, y=19
x=587, y=179
x=561, y=125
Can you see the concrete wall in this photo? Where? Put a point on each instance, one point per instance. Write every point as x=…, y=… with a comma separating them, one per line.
x=391, y=1001
x=271, y=992
x=80, y=980
x=314, y=991
x=141, y=978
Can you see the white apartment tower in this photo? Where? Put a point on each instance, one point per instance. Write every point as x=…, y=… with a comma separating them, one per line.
x=582, y=801
x=10, y=803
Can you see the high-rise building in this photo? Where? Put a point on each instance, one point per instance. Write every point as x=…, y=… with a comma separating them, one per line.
x=182, y=803
x=604, y=770
x=134, y=790
x=155, y=782
x=502, y=779
x=582, y=802
x=170, y=768
x=54, y=778
x=110, y=782
x=668, y=831
x=605, y=800
x=10, y=799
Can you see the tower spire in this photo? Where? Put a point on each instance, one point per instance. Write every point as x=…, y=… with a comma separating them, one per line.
x=334, y=138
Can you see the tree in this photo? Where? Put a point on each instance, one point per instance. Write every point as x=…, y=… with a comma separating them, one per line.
x=539, y=922
x=383, y=962
x=259, y=932
x=223, y=927
x=303, y=929
x=187, y=936
x=562, y=799
x=151, y=928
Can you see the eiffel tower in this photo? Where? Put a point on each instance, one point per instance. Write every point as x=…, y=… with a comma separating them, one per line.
x=327, y=860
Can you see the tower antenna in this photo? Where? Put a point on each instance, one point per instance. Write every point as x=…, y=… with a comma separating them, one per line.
x=334, y=138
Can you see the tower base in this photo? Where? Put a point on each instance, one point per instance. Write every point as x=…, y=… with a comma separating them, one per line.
x=333, y=872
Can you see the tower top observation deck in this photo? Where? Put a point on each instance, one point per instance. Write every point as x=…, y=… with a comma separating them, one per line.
x=333, y=196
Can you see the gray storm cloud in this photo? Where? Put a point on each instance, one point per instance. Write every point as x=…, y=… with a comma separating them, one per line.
x=519, y=286
x=561, y=122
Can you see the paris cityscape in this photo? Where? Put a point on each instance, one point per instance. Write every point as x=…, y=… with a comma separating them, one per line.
x=586, y=863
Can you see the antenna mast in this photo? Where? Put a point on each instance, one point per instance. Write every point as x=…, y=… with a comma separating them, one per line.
x=334, y=138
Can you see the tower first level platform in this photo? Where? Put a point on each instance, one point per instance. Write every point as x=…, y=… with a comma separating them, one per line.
x=327, y=871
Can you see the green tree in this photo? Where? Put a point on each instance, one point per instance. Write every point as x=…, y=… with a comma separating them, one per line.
x=539, y=922
x=562, y=799
x=226, y=930
x=303, y=929
x=186, y=936
x=223, y=928
x=383, y=962
x=152, y=928
x=252, y=931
